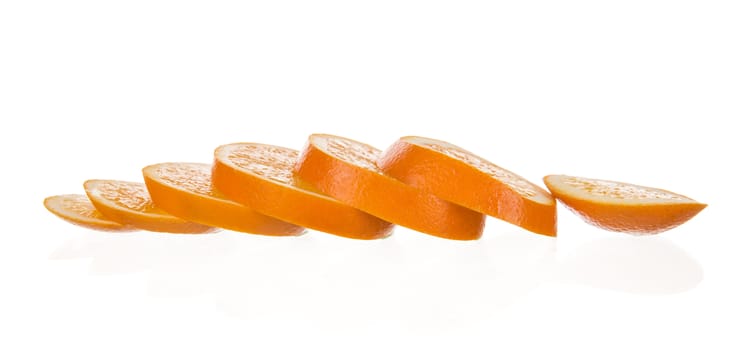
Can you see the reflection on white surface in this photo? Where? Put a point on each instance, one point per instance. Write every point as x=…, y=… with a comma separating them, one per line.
x=640, y=265
x=409, y=280
x=112, y=253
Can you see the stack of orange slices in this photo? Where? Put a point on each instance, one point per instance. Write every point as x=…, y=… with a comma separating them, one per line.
x=351, y=189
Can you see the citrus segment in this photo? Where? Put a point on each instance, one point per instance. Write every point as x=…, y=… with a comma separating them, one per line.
x=78, y=210
x=462, y=177
x=623, y=207
x=129, y=203
x=185, y=190
x=347, y=170
x=260, y=177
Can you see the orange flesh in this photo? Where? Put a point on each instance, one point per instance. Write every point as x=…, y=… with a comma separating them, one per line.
x=347, y=170
x=184, y=190
x=78, y=210
x=260, y=177
x=459, y=176
x=623, y=207
x=130, y=203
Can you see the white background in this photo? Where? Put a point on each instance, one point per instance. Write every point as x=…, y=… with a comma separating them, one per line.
x=635, y=91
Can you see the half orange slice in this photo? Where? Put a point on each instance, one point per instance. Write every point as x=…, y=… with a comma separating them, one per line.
x=347, y=170
x=260, y=177
x=129, y=203
x=623, y=207
x=459, y=176
x=184, y=190
x=78, y=210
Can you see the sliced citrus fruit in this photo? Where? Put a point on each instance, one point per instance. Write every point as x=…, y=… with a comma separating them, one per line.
x=347, y=170
x=260, y=177
x=623, y=207
x=184, y=190
x=78, y=210
x=129, y=203
x=459, y=176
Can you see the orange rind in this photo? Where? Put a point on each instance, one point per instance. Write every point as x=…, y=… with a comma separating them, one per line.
x=623, y=207
x=78, y=210
x=184, y=190
x=347, y=170
x=459, y=176
x=129, y=203
x=260, y=177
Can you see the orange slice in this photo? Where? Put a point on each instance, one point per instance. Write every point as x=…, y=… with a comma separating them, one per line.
x=347, y=170
x=129, y=203
x=78, y=210
x=184, y=190
x=260, y=177
x=623, y=207
x=462, y=177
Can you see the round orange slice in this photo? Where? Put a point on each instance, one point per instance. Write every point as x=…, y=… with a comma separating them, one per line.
x=459, y=176
x=623, y=207
x=184, y=190
x=129, y=203
x=78, y=210
x=347, y=170
x=260, y=177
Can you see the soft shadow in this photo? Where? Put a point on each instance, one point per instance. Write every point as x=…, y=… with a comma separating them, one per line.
x=639, y=265
x=112, y=253
x=160, y=253
x=410, y=281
